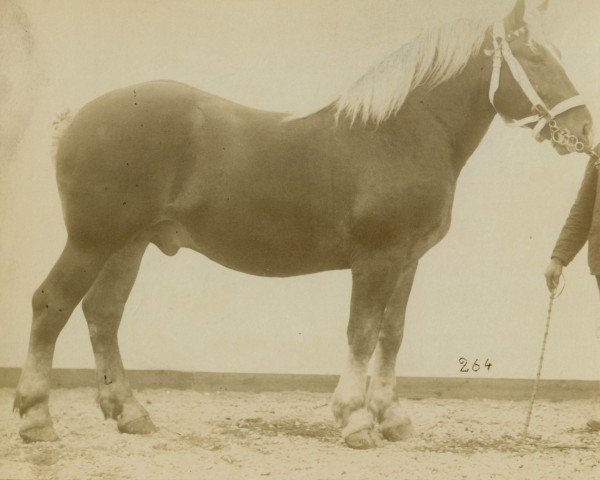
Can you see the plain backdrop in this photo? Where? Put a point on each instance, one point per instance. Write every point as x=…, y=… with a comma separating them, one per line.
x=479, y=294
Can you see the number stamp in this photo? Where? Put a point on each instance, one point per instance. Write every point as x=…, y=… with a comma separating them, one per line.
x=474, y=367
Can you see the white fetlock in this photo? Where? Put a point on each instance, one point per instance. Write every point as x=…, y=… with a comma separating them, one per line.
x=358, y=420
x=396, y=425
x=36, y=416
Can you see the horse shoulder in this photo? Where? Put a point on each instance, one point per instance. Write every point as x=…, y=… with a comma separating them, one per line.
x=408, y=204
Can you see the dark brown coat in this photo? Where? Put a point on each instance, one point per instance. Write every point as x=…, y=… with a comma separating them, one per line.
x=583, y=224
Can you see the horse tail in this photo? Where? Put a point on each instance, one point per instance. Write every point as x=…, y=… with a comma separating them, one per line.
x=60, y=126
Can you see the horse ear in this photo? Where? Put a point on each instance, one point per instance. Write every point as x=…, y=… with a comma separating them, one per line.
x=516, y=18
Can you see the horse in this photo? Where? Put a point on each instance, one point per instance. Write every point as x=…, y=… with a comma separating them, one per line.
x=366, y=183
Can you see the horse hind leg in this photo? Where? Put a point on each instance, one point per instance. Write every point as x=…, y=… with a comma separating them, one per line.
x=103, y=309
x=52, y=303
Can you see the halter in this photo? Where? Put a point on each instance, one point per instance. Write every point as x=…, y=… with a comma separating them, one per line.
x=542, y=114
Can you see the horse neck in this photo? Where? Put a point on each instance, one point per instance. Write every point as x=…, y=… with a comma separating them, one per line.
x=457, y=112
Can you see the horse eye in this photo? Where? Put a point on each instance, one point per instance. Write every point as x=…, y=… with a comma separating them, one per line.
x=536, y=56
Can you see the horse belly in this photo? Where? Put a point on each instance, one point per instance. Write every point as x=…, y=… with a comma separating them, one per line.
x=254, y=242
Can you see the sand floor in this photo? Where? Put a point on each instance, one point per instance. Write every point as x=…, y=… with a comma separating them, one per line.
x=291, y=435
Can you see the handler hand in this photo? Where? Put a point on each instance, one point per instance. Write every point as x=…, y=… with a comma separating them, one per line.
x=552, y=274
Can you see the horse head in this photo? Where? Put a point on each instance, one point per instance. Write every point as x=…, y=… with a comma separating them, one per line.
x=529, y=85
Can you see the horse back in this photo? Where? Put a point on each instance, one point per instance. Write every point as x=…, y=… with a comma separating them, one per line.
x=165, y=157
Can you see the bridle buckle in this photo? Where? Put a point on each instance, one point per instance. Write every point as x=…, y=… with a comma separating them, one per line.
x=543, y=112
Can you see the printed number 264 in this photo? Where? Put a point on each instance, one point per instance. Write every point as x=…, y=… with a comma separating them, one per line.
x=474, y=367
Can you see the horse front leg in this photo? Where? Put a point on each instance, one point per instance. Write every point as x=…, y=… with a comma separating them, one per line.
x=373, y=278
x=382, y=400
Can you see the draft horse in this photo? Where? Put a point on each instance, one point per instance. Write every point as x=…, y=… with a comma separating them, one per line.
x=366, y=184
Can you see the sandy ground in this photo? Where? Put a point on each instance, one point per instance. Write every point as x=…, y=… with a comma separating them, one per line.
x=291, y=435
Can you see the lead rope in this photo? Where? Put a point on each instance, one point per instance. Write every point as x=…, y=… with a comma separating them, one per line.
x=536, y=384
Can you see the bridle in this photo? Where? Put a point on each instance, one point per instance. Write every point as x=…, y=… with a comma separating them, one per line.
x=542, y=115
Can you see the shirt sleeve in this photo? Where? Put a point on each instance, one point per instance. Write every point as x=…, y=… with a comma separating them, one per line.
x=577, y=227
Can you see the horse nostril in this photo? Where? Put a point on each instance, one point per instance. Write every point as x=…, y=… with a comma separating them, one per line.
x=586, y=130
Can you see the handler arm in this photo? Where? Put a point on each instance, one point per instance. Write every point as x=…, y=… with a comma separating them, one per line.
x=575, y=232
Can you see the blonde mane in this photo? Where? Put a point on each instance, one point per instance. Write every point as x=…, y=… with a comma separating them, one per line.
x=430, y=59
x=433, y=57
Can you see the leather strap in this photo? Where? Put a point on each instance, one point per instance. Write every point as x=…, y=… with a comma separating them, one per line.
x=543, y=114
x=498, y=35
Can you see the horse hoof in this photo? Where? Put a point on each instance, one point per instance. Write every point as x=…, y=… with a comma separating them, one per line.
x=398, y=430
x=39, y=434
x=363, y=439
x=139, y=426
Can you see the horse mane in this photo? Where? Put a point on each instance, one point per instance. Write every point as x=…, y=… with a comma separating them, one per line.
x=432, y=58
